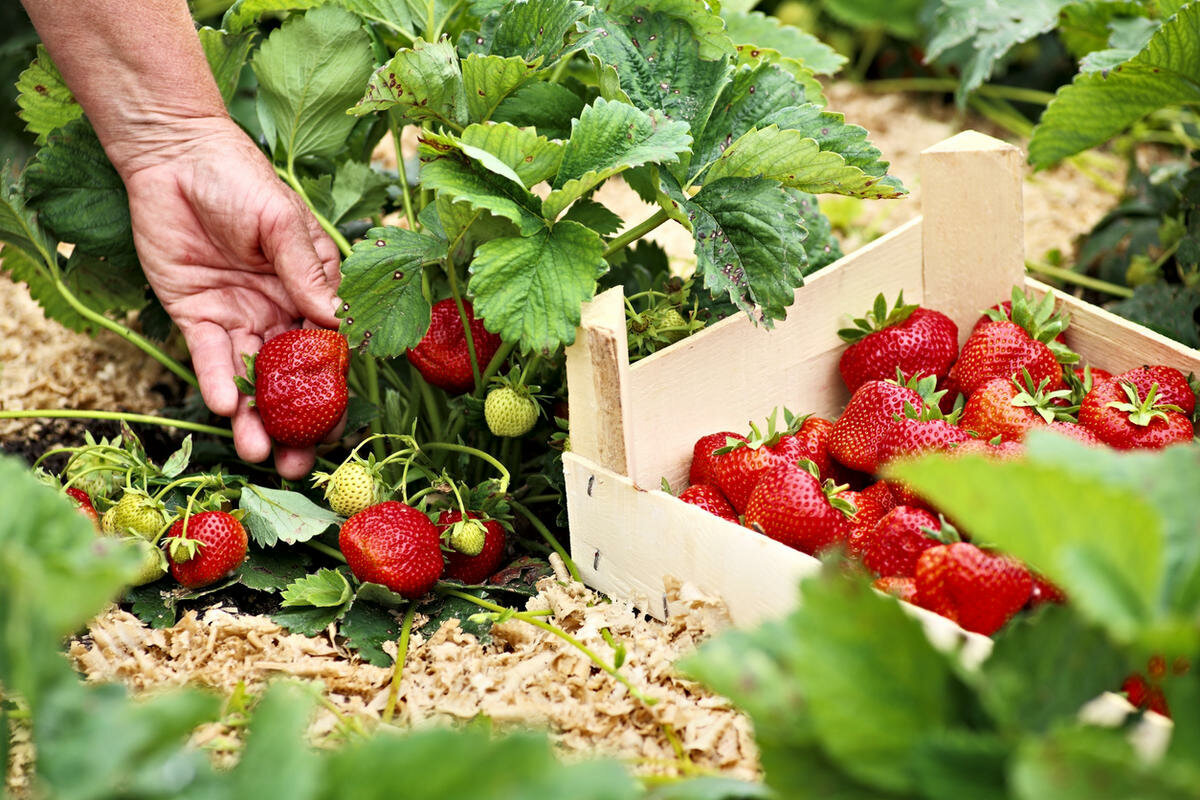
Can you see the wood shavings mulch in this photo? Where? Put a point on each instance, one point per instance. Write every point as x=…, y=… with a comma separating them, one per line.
x=523, y=677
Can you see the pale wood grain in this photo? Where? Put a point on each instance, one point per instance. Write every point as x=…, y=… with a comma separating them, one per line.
x=597, y=383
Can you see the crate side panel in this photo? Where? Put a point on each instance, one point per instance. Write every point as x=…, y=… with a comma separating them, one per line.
x=1105, y=340
x=736, y=372
x=597, y=363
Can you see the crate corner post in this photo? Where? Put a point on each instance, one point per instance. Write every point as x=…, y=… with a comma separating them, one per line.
x=973, y=230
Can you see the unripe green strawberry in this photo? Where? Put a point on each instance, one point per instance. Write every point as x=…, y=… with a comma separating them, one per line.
x=138, y=513
x=509, y=411
x=468, y=536
x=350, y=488
x=108, y=525
x=154, y=562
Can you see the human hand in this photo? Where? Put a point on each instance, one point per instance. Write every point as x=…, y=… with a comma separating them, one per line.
x=234, y=256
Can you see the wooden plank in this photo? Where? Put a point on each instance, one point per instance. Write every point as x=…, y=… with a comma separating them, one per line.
x=597, y=382
x=626, y=541
x=735, y=371
x=973, y=231
x=1113, y=343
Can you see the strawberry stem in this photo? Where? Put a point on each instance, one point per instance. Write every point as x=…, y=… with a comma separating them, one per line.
x=401, y=657
x=471, y=451
x=540, y=527
x=332, y=552
x=636, y=232
x=71, y=413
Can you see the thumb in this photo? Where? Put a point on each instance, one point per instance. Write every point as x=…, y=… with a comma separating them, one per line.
x=288, y=245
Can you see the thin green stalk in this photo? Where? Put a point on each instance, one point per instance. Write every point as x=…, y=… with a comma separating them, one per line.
x=452, y=278
x=530, y=366
x=405, y=191
x=872, y=41
x=1101, y=182
x=1071, y=276
x=471, y=451
x=289, y=175
x=540, y=527
x=1018, y=94
x=556, y=631
x=560, y=68
x=401, y=657
x=493, y=367
x=332, y=552
x=372, y=387
x=636, y=232
x=441, y=26
x=70, y=413
x=1017, y=126
x=540, y=498
x=432, y=412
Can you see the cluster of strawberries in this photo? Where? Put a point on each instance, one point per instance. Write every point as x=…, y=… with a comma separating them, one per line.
x=914, y=392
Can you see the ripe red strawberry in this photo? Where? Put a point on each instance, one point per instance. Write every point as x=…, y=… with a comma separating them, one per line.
x=950, y=393
x=738, y=467
x=914, y=340
x=901, y=588
x=710, y=499
x=84, y=504
x=477, y=568
x=703, y=459
x=790, y=505
x=908, y=438
x=813, y=437
x=1098, y=375
x=1122, y=417
x=1003, y=311
x=899, y=539
x=208, y=547
x=1010, y=408
x=1002, y=350
x=1000, y=451
x=1144, y=695
x=1074, y=431
x=978, y=590
x=1045, y=592
x=395, y=545
x=856, y=435
x=871, y=505
x=1173, y=387
x=442, y=356
x=300, y=385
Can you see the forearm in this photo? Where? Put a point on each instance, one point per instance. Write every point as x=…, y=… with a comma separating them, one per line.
x=136, y=67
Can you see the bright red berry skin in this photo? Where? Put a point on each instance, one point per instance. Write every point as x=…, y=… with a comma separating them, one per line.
x=1002, y=451
x=1173, y=388
x=978, y=590
x=442, y=356
x=1002, y=350
x=813, y=438
x=872, y=507
x=476, y=568
x=1074, y=431
x=395, y=545
x=856, y=435
x=789, y=505
x=738, y=471
x=1098, y=375
x=1113, y=427
x=703, y=459
x=1045, y=592
x=710, y=499
x=901, y=588
x=300, y=385
x=1144, y=695
x=925, y=343
x=222, y=548
x=990, y=412
x=84, y=504
x=908, y=438
x=1005, y=309
x=898, y=541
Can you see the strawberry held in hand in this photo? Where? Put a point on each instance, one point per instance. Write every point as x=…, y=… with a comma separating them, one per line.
x=790, y=505
x=205, y=547
x=914, y=340
x=442, y=356
x=299, y=380
x=483, y=564
x=394, y=545
x=978, y=590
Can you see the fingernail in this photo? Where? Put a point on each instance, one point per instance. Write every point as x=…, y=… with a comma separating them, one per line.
x=337, y=304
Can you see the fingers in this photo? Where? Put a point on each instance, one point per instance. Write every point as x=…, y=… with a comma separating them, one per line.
x=294, y=463
x=327, y=251
x=249, y=436
x=288, y=244
x=214, y=362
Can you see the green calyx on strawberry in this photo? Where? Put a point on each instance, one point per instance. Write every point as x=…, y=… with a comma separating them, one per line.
x=1143, y=411
x=878, y=318
x=1039, y=320
x=298, y=380
x=205, y=547
x=1008, y=409
x=910, y=339
x=350, y=488
x=442, y=356
x=738, y=465
x=874, y=406
x=1040, y=401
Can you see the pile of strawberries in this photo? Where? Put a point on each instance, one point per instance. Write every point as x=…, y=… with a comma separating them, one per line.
x=913, y=392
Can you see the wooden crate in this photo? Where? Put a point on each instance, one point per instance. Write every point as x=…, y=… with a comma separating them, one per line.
x=633, y=425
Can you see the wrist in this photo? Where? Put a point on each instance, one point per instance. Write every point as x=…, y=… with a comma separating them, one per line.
x=148, y=139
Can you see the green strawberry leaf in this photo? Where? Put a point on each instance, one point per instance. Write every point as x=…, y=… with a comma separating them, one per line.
x=529, y=289
x=699, y=16
x=276, y=515
x=420, y=83
x=354, y=191
x=536, y=29
x=797, y=161
x=1168, y=308
x=755, y=29
x=77, y=192
x=273, y=570
x=324, y=588
x=1084, y=27
x=549, y=107
x=226, y=54
x=820, y=246
x=177, y=462
x=489, y=80
x=366, y=627
x=309, y=72
x=1098, y=105
x=754, y=57
x=900, y=18
x=152, y=605
x=308, y=620
x=595, y=216
x=974, y=35
x=608, y=138
x=383, y=308
x=23, y=268
x=519, y=154
x=955, y=764
x=395, y=14
x=105, y=284
x=45, y=101
x=749, y=243
x=464, y=181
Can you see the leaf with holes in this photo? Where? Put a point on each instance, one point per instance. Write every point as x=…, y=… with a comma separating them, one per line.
x=383, y=305
x=537, y=29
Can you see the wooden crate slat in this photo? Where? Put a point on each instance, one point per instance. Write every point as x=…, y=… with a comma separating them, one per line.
x=736, y=372
x=598, y=382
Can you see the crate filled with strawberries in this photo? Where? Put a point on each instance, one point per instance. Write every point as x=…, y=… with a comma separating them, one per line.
x=957, y=352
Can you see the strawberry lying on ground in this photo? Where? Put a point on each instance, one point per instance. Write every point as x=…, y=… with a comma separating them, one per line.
x=978, y=590
x=465, y=565
x=899, y=539
x=395, y=545
x=710, y=499
x=703, y=460
x=298, y=380
x=205, y=547
x=84, y=504
x=1011, y=407
x=1002, y=348
x=914, y=340
x=791, y=506
x=856, y=435
x=1125, y=416
x=442, y=356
